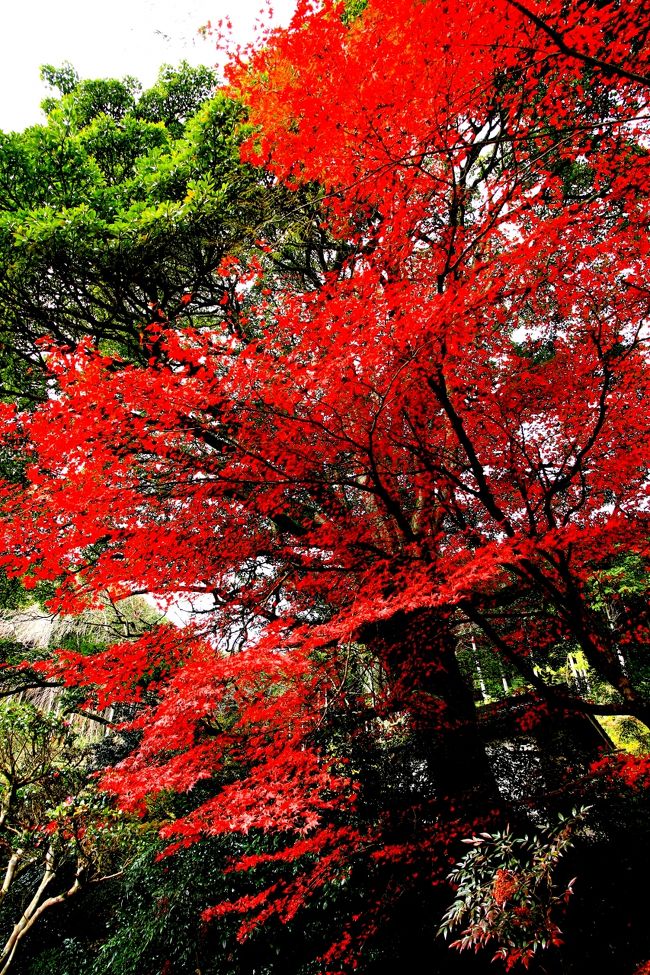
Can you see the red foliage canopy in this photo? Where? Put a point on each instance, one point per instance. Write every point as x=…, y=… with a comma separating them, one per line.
x=446, y=437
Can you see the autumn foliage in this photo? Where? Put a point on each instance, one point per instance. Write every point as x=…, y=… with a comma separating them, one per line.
x=351, y=476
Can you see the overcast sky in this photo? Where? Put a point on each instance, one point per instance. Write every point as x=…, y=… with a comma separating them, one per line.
x=108, y=39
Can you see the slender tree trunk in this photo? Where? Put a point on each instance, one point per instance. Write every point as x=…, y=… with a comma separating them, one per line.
x=10, y=872
x=36, y=908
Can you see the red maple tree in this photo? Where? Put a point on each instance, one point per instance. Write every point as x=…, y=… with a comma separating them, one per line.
x=444, y=435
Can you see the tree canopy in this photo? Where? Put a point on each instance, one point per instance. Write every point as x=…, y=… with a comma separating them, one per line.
x=116, y=213
x=426, y=448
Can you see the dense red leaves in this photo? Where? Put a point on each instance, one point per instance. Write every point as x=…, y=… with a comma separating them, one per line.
x=449, y=425
x=632, y=770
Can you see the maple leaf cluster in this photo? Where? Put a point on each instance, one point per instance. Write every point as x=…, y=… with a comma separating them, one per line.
x=444, y=436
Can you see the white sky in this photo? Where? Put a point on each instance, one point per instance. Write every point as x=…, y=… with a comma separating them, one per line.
x=108, y=39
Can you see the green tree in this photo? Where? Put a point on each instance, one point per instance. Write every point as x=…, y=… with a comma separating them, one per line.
x=117, y=212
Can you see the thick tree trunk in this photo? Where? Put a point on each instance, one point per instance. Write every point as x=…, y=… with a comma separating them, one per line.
x=418, y=651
